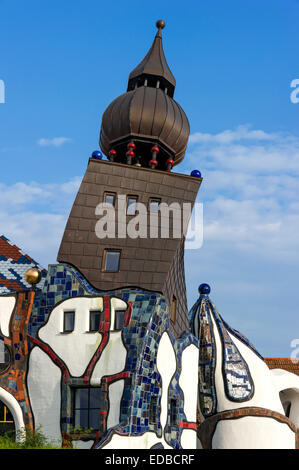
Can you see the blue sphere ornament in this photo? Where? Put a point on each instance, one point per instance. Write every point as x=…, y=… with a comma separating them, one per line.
x=97, y=154
x=204, y=289
x=196, y=173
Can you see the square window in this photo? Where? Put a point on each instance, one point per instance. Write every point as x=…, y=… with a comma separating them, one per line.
x=69, y=322
x=95, y=318
x=111, y=260
x=109, y=199
x=119, y=319
x=131, y=205
x=154, y=205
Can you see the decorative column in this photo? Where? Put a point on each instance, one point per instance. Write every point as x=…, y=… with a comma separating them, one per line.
x=112, y=155
x=169, y=164
x=153, y=162
x=130, y=153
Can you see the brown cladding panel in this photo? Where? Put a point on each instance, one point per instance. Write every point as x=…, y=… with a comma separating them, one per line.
x=153, y=264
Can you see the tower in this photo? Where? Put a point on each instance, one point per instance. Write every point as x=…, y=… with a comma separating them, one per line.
x=144, y=134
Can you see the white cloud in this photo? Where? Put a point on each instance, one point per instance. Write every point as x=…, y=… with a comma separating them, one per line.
x=250, y=191
x=250, y=253
x=55, y=142
x=229, y=136
x=33, y=216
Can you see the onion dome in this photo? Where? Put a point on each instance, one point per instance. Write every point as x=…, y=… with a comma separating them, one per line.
x=147, y=116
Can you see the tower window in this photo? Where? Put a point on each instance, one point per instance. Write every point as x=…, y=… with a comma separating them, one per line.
x=95, y=318
x=109, y=199
x=131, y=205
x=111, y=260
x=154, y=205
x=173, y=308
x=69, y=322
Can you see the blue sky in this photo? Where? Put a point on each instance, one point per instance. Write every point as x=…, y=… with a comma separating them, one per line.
x=63, y=62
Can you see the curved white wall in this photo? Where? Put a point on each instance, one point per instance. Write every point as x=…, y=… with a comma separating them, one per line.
x=77, y=347
x=265, y=393
x=43, y=381
x=7, y=304
x=253, y=432
x=112, y=359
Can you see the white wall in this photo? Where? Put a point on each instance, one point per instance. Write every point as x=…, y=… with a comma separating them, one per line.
x=7, y=305
x=43, y=381
x=253, y=432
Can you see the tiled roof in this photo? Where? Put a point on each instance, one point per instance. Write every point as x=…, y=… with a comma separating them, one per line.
x=13, y=266
x=283, y=363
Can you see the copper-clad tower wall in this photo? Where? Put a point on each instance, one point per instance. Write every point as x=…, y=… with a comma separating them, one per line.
x=144, y=133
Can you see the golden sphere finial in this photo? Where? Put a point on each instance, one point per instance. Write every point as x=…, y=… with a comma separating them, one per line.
x=33, y=276
x=160, y=24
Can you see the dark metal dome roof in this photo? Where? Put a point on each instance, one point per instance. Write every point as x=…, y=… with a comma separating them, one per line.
x=146, y=117
x=154, y=64
x=146, y=114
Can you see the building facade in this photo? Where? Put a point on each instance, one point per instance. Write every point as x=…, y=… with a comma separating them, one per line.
x=100, y=351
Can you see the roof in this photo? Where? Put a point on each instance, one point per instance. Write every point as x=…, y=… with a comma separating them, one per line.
x=154, y=63
x=285, y=363
x=13, y=266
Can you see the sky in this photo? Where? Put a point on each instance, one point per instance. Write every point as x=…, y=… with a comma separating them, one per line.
x=63, y=62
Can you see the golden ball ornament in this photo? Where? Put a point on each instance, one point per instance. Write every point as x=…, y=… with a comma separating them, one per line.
x=33, y=276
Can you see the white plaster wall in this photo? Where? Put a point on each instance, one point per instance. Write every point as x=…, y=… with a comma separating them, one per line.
x=82, y=444
x=146, y=441
x=116, y=304
x=43, y=381
x=188, y=381
x=166, y=364
x=115, y=395
x=16, y=411
x=288, y=384
x=253, y=433
x=112, y=360
x=265, y=393
x=189, y=439
x=77, y=347
x=7, y=305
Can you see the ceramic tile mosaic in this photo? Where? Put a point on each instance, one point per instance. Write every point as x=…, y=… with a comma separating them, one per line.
x=238, y=383
x=149, y=320
x=202, y=328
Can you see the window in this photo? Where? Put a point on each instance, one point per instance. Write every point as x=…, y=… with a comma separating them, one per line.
x=173, y=412
x=131, y=205
x=7, y=424
x=4, y=356
x=111, y=260
x=69, y=322
x=5, y=414
x=87, y=407
x=119, y=319
x=109, y=199
x=173, y=306
x=153, y=410
x=154, y=205
x=95, y=318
